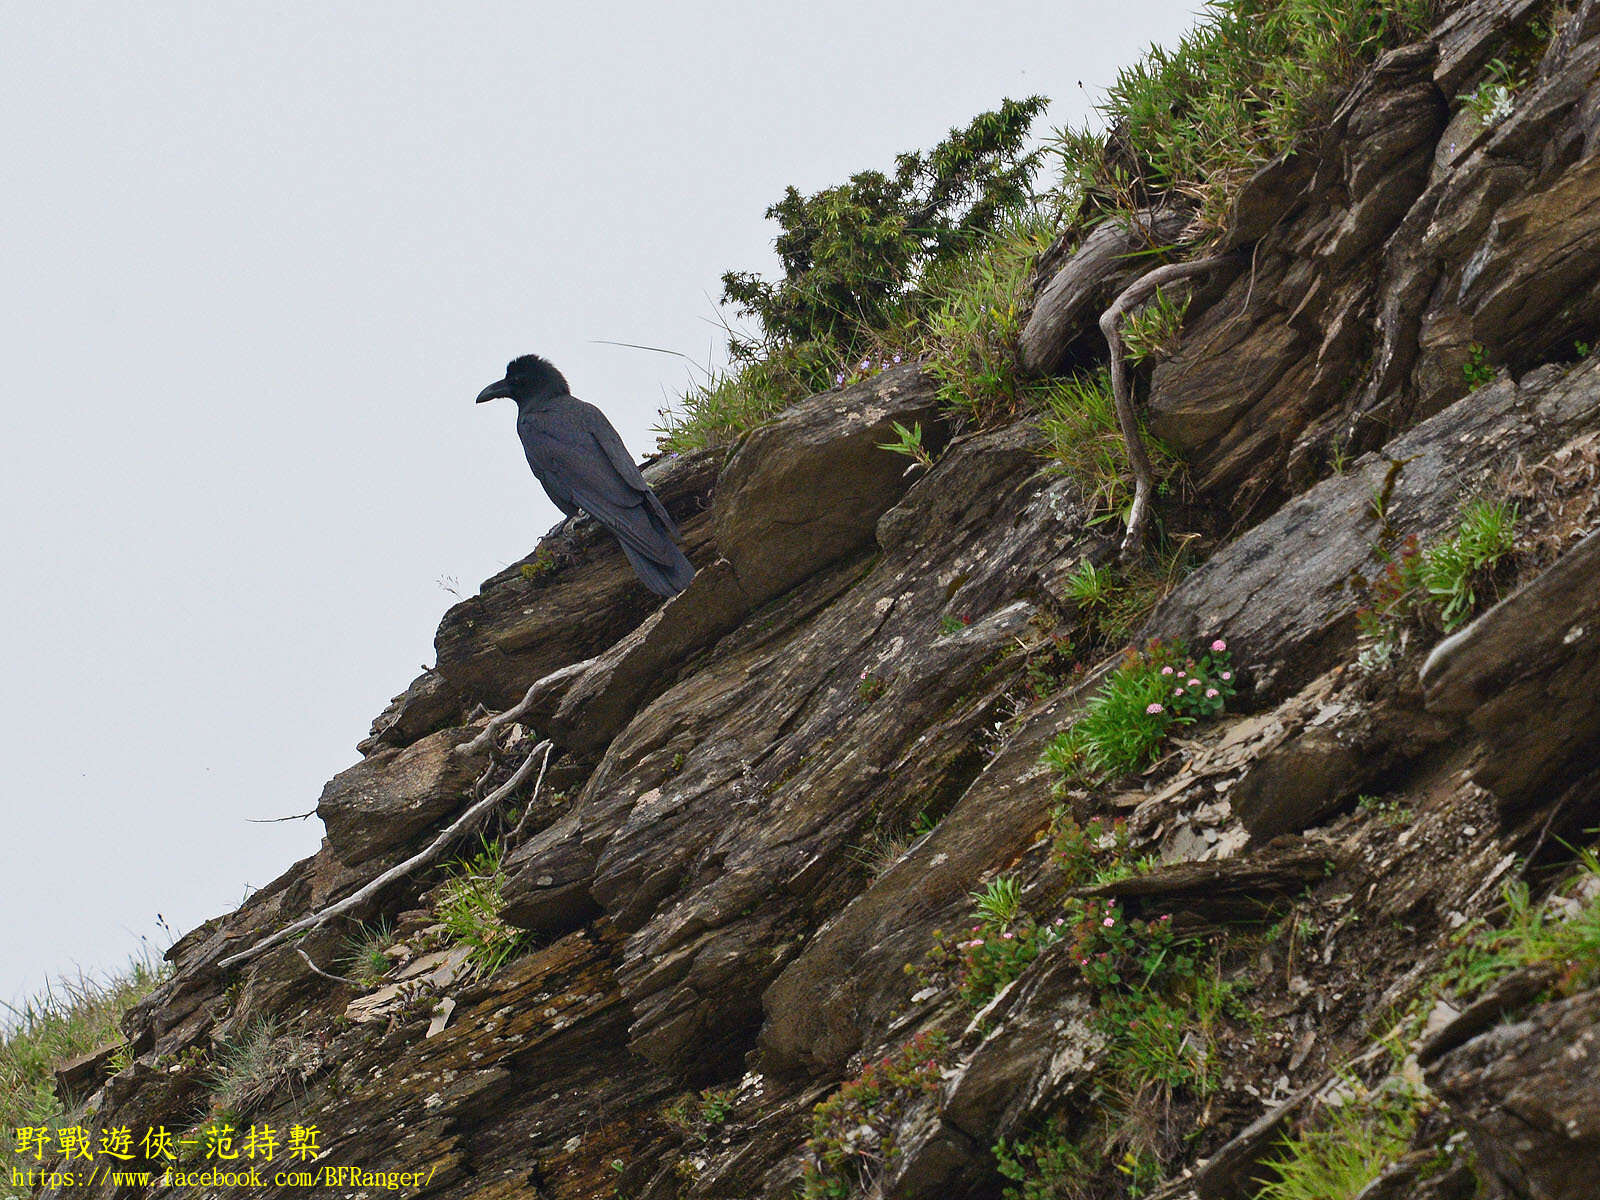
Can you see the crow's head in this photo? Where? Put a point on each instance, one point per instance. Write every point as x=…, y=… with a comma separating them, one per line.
x=527, y=378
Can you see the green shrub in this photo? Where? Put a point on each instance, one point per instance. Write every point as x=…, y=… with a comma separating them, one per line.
x=852, y=1137
x=852, y=253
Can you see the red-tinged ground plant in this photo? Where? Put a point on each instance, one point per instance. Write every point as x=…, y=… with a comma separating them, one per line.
x=852, y=1131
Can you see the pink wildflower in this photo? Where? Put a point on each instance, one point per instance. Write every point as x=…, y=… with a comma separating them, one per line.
x=1177, y=691
x=1109, y=922
x=1194, y=683
x=1211, y=693
x=1153, y=709
x=1167, y=670
x=1008, y=935
x=1219, y=645
x=1227, y=675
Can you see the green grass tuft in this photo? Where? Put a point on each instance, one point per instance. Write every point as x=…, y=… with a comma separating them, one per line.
x=69, y=1019
x=469, y=904
x=1197, y=120
x=1336, y=1159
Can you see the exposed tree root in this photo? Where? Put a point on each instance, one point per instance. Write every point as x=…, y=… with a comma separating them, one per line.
x=420, y=859
x=1134, y=294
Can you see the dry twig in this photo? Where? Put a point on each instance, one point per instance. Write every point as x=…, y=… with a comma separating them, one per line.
x=421, y=858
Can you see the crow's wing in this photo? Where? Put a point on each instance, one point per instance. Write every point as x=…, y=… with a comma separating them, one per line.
x=606, y=437
x=570, y=457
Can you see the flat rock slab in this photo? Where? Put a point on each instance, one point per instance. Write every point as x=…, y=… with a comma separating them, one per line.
x=384, y=801
x=1287, y=619
x=1529, y=1094
x=1525, y=675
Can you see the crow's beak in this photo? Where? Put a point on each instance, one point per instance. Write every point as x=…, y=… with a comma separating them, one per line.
x=498, y=390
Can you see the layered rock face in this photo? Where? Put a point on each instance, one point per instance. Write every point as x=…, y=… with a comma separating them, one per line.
x=769, y=795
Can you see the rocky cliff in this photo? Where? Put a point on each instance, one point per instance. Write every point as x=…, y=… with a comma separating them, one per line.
x=727, y=907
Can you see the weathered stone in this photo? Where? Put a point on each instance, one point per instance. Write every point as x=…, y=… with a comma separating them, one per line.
x=1280, y=351
x=1297, y=784
x=581, y=597
x=807, y=490
x=1041, y=1045
x=1068, y=308
x=1524, y=675
x=1288, y=620
x=1529, y=1093
x=1471, y=34
x=80, y=1075
x=386, y=800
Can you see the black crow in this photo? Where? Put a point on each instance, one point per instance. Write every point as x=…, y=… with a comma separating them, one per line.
x=581, y=462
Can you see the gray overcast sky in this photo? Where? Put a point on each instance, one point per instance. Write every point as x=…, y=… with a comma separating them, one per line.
x=259, y=258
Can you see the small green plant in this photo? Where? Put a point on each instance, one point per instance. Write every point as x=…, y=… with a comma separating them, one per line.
x=1049, y=1164
x=1581, y=349
x=852, y=1140
x=1090, y=586
x=869, y=687
x=1439, y=586
x=1386, y=812
x=254, y=1063
x=1095, y=853
x=998, y=948
x=949, y=624
x=1491, y=100
x=909, y=443
x=364, y=953
x=543, y=563
x=1454, y=569
x=1155, y=329
x=698, y=1115
x=1477, y=370
x=468, y=906
x=1125, y=723
x=1001, y=901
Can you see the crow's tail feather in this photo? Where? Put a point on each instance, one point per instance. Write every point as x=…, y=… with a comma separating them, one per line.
x=664, y=579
